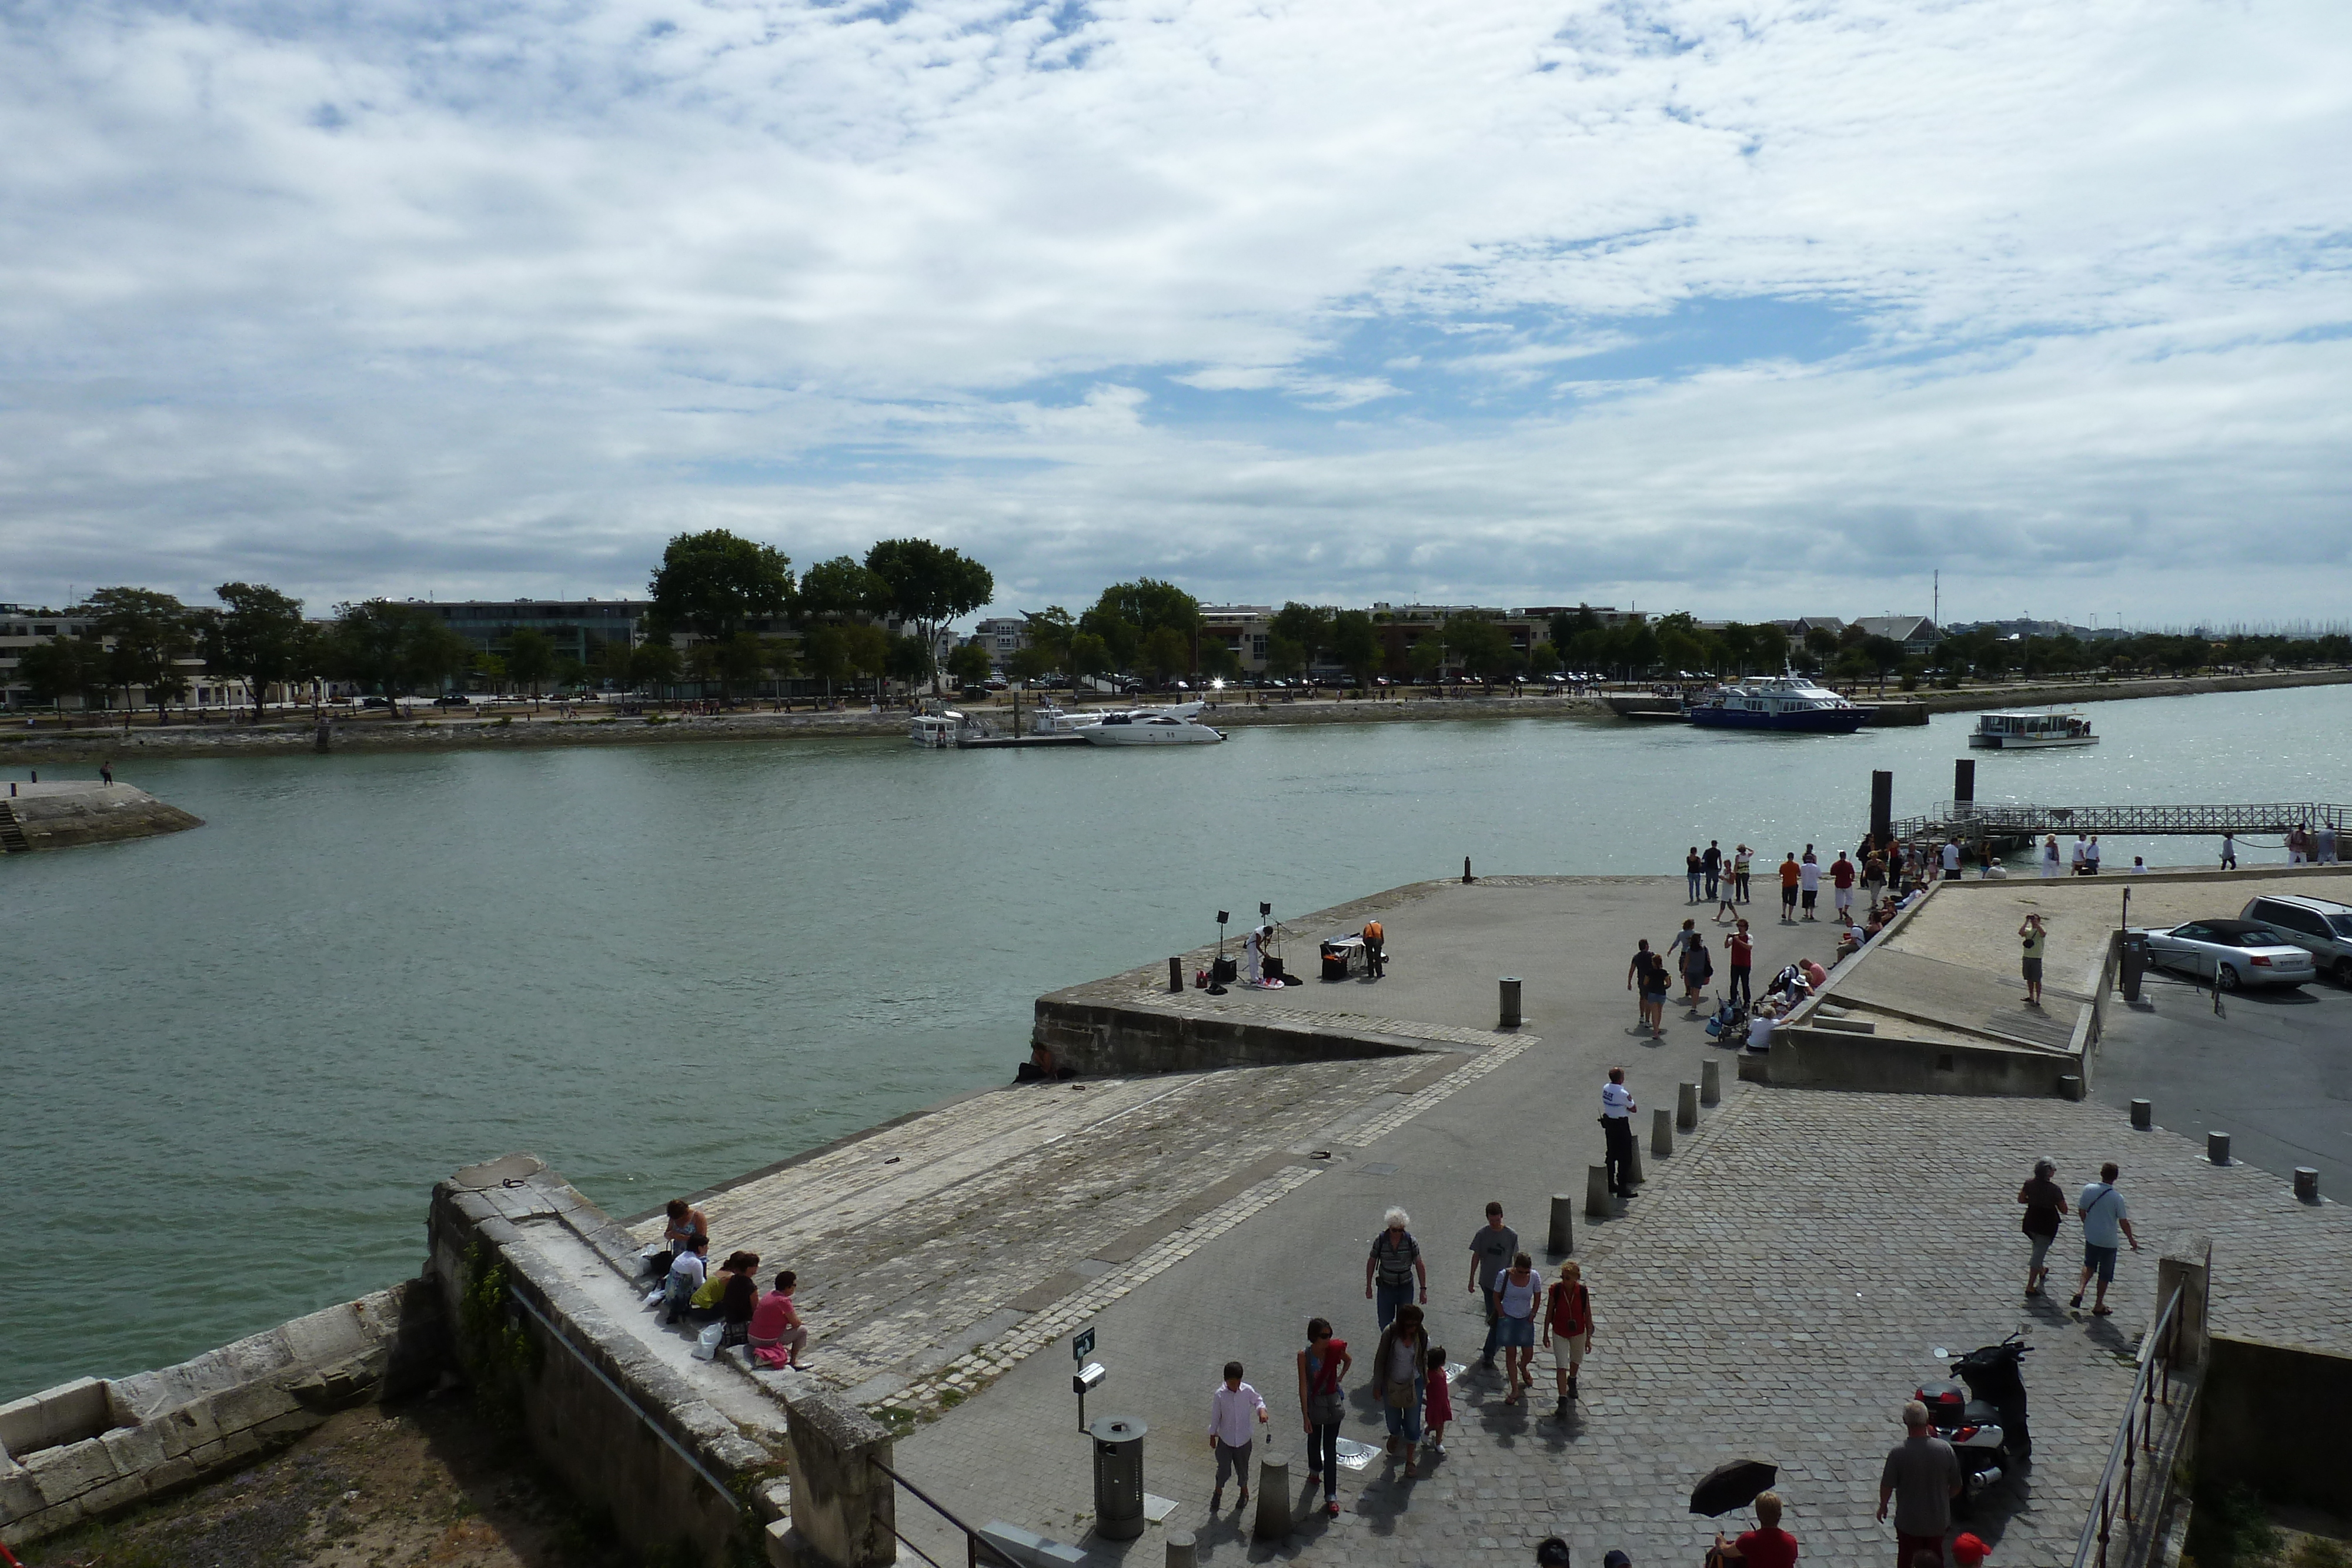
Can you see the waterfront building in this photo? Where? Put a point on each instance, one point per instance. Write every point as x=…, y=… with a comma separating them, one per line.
x=579, y=627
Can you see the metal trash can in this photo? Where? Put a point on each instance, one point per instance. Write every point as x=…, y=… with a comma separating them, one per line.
x=1118, y=1477
x=2135, y=963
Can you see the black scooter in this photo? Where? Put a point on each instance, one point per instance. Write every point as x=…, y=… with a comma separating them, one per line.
x=1985, y=1423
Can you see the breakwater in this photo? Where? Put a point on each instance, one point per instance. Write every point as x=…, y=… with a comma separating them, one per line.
x=63, y=814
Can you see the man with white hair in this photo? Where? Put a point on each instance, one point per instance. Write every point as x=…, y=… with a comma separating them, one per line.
x=1392, y=1267
x=1921, y=1476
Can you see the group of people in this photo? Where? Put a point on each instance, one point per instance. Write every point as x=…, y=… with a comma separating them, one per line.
x=687, y=1290
x=2309, y=845
x=1719, y=876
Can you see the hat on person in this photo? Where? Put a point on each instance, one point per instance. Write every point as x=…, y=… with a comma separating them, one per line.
x=1968, y=1551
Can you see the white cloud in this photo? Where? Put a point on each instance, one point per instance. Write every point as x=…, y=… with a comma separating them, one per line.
x=490, y=300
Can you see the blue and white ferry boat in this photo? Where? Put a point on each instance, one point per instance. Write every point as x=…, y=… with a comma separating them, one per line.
x=1788, y=705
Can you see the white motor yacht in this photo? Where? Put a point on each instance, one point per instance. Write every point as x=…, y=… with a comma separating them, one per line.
x=1177, y=726
x=2032, y=730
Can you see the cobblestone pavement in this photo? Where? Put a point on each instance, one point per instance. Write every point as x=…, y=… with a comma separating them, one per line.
x=1782, y=1284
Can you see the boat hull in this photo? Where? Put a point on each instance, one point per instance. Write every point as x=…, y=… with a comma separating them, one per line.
x=1149, y=735
x=1808, y=721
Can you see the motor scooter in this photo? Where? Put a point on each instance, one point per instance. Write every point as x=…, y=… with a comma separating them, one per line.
x=1986, y=1422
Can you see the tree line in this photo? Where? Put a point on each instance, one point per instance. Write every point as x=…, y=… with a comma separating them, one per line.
x=713, y=589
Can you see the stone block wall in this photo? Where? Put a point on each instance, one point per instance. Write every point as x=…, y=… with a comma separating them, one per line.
x=88, y=1447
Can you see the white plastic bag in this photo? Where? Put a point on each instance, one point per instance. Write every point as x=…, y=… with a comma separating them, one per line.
x=706, y=1343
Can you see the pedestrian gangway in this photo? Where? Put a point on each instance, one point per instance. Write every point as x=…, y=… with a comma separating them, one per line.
x=1970, y=821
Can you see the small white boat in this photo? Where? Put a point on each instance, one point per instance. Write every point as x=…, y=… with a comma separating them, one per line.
x=1175, y=726
x=2033, y=730
x=935, y=731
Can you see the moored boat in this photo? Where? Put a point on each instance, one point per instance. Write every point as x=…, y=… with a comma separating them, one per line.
x=1783, y=705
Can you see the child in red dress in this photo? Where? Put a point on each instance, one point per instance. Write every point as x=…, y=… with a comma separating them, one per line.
x=1437, y=1401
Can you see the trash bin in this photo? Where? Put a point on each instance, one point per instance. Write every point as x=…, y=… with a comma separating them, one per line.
x=2135, y=963
x=1118, y=1477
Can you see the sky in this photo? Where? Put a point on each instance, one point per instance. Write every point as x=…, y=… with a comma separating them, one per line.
x=1746, y=306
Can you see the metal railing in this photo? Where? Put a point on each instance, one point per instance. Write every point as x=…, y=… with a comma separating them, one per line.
x=1978, y=819
x=978, y=1553
x=2121, y=1489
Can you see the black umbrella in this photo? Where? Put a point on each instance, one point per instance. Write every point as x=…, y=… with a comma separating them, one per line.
x=1731, y=1486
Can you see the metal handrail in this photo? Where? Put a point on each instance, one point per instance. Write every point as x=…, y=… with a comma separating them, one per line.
x=974, y=1544
x=2135, y=1436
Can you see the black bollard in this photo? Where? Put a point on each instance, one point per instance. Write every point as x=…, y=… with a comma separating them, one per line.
x=2143, y=1117
x=1882, y=806
x=2306, y=1183
x=1175, y=973
x=2217, y=1147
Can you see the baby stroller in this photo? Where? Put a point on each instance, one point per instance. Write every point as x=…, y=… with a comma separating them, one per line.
x=1729, y=1021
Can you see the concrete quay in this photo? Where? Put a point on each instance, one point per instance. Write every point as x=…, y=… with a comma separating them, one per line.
x=63, y=813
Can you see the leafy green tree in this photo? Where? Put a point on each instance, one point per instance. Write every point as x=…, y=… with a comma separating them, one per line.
x=1821, y=645
x=1089, y=656
x=869, y=651
x=737, y=660
x=840, y=590
x=1129, y=612
x=610, y=661
x=929, y=586
x=655, y=665
x=1166, y=652
x=1309, y=626
x=910, y=662
x=396, y=647
x=149, y=634
x=826, y=653
x=259, y=636
x=1883, y=654
x=1543, y=658
x=1356, y=644
x=1427, y=656
x=571, y=674
x=1032, y=664
x=710, y=583
x=65, y=667
x=1479, y=646
x=1050, y=630
x=492, y=669
x=780, y=661
x=969, y=664
x=1284, y=656
x=531, y=659
x=1216, y=662
x=1571, y=624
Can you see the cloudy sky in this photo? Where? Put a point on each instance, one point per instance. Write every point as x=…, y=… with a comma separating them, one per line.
x=1752, y=306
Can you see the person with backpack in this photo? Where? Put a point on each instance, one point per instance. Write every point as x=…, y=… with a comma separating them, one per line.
x=1392, y=1267
x=1322, y=1367
x=1567, y=1329
x=1698, y=967
x=1397, y=1381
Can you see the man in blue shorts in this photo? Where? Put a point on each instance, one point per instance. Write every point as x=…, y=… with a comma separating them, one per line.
x=2106, y=1224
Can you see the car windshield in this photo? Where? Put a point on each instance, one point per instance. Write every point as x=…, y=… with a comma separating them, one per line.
x=2252, y=939
x=2341, y=925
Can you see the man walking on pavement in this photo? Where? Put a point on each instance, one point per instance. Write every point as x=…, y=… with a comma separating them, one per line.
x=2106, y=1222
x=1490, y=1253
x=1842, y=886
x=1617, y=1110
x=1713, y=863
x=1921, y=1475
x=1232, y=1429
x=1809, y=881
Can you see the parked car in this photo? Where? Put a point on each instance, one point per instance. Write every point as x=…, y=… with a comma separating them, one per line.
x=376, y=701
x=2230, y=953
x=453, y=699
x=2318, y=926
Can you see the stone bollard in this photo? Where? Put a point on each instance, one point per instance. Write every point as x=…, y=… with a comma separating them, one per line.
x=1509, y=986
x=1687, y=1106
x=1635, y=1174
x=1598, y=1203
x=1182, y=1553
x=1563, y=1224
x=1273, y=1521
x=1662, y=1131
x=2187, y=1266
x=2217, y=1147
x=2143, y=1117
x=1710, y=1083
x=2070, y=1086
x=2306, y=1183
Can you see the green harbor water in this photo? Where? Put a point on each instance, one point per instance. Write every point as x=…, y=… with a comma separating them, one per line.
x=237, y=1059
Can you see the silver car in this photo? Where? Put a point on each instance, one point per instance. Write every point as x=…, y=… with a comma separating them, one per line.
x=2230, y=953
x=2319, y=926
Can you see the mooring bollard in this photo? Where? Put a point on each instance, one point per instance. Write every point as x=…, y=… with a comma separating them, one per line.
x=1662, y=1131
x=2144, y=1115
x=1175, y=973
x=1687, y=1106
x=1598, y=1204
x=2217, y=1147
x=1509, y=986
x=2306, y=1183
x=1273, y=1521
x=2070, y=1086
x=1466, y=868
x=1182, y=1553
x=1563, y=1224
x=1710, y=1083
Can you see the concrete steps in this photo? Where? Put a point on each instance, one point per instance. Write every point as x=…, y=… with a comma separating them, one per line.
x=11, y=832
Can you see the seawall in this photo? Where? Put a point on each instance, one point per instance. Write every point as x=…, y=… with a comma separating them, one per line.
x=82, y=811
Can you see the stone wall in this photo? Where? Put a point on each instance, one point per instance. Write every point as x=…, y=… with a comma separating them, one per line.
x=1104, y=1038
x=2270, y=1416
x=1804, y=1058
x=90, y=1446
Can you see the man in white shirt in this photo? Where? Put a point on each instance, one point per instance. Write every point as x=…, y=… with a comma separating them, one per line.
x=1809, y=884
x=1617, y=1110
x=688, y=1270
x=2091, y=856
x=1952, y=860
x=1235, y=1413
x=2081, y=853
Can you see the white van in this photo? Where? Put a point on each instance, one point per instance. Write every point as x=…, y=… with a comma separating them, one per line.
x=2317, y=924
